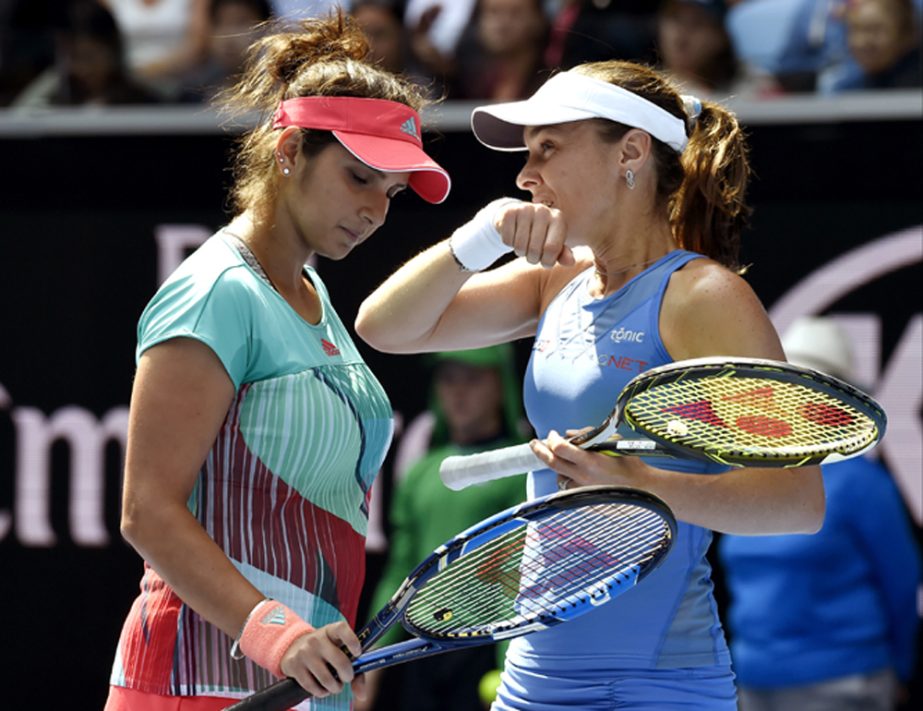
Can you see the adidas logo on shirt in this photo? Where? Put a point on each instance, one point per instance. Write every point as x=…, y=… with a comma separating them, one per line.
x=410, y=128
x=330, y=349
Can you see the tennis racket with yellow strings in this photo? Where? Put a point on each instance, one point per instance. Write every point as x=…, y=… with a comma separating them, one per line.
x=734, y=411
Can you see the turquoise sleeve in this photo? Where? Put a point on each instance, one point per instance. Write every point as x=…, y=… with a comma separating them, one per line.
x=218, y=314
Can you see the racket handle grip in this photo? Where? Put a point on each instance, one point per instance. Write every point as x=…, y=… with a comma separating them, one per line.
x=461, y=471
x=278, y=697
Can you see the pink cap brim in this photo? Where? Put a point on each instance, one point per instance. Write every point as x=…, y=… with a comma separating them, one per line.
x=428, y=179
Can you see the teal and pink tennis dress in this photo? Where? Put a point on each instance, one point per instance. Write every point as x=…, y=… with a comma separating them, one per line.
x=284, y=490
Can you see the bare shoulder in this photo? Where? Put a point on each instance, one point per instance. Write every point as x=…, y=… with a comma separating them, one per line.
x=710, y=310
x=703, y=283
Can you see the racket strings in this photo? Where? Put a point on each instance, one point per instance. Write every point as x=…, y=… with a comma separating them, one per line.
x=487, y=603
x=750, y=415
x=538, y=568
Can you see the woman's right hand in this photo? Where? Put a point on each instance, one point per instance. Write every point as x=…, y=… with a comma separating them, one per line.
x=531, y=230
x=536, y=232
x=318, y=662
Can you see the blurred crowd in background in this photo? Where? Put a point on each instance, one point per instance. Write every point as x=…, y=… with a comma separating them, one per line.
x=118, y=52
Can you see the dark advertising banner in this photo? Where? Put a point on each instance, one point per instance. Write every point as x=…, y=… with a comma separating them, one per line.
x=92, y=224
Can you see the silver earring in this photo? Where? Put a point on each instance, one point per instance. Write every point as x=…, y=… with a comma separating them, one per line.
x=630, y=179
x=286, y=171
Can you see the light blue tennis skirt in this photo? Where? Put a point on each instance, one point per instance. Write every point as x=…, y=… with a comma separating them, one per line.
x=689, y=689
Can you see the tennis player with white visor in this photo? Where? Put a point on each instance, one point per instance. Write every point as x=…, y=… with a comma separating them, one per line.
x=626, y=259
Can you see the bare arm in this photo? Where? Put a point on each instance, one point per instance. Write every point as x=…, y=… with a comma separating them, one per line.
x=431, y=304
x=179, y=401
x=180, y=398
x=709, y=311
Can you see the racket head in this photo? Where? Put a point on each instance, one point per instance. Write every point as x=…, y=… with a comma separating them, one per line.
x=535, y=565
x=751, y=412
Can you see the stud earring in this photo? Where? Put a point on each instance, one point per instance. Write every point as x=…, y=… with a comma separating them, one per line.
x=630, y=179
x=286, y=171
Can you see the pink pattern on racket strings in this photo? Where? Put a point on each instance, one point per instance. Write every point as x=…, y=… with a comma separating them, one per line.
x=497, y=569
x=761, y=398
x=558, y=544
x=824, y=414
x=700, y=410
x=580, y=556
x=764, y=426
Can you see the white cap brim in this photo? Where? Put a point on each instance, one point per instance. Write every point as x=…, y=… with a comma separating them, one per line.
x=570, y=96
x=501, y=126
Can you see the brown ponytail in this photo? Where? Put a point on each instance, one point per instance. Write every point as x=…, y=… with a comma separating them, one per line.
x=709, y=211
x=319, y=57
x=703, y=189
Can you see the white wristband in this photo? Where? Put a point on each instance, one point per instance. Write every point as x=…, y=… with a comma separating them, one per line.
x=477, y=244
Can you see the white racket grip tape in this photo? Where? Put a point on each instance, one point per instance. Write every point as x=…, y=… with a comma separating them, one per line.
x=477, y=243
x=461, y=471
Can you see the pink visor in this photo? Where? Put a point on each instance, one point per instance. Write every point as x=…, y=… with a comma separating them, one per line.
x=385, y=135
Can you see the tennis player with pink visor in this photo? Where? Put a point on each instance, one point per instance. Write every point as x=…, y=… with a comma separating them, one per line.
x=627, y=260
x=256, y=429
x=385, y=135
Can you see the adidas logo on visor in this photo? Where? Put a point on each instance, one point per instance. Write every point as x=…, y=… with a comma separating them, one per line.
x=410, y=128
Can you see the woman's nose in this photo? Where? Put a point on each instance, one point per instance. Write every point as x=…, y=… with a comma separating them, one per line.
x=376, y=210
x=528, y=178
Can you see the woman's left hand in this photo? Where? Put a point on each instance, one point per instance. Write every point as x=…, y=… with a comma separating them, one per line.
x=580, y=467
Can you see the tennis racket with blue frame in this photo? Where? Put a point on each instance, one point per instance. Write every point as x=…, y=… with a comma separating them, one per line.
x=528, y=568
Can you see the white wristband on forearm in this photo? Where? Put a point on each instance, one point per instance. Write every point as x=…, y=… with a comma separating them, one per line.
x=477, y=243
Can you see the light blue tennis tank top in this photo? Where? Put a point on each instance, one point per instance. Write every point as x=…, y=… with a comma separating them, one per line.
x=585, y=351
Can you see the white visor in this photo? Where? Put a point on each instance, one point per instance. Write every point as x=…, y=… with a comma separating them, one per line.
x=570, y=96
